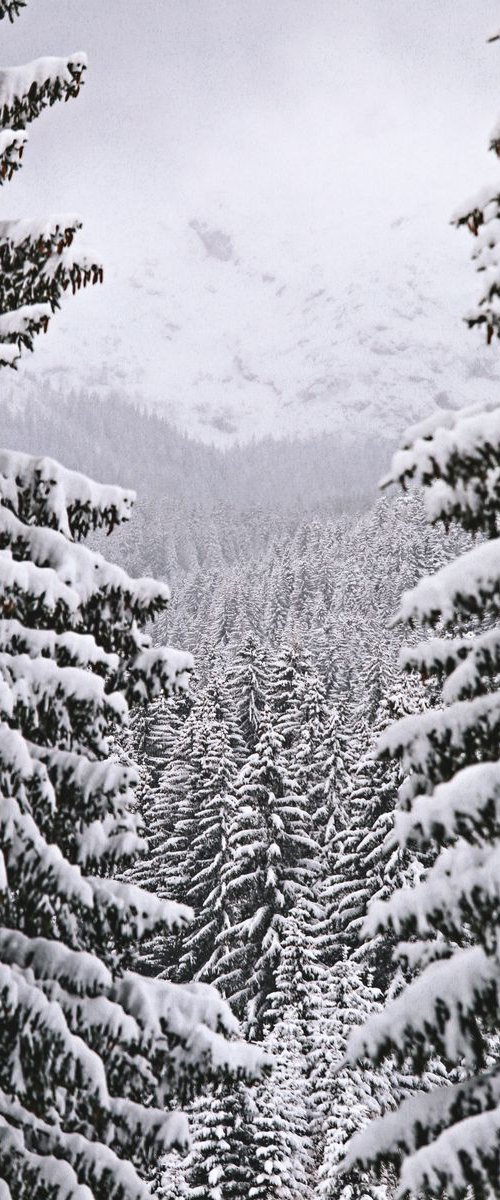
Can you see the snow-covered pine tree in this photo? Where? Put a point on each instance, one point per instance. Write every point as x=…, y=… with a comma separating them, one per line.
x=151, y=741
x=281, y=1160
x=169, y=822
x=38, y=261
x=249, y=682
x=333, y=766
x=295, y=1010
x=221, y=1163
x=213, y=777
x=300, y=974
x=335, y=825
x=363, y=865
x=185, y=810
x=257, y=1141
x=72, y=658
x=313, y=721
x=344, y=1100
x=94, y=1059
x=273, y=861
x=289, y=669
x=448, y=1141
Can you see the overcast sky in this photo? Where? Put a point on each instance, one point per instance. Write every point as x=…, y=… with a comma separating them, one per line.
x=252, y=97
x=321, y=117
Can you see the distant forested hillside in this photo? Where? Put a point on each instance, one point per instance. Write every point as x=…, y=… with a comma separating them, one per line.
x=113, y=440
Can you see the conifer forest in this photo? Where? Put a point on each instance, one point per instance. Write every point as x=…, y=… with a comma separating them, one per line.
x=249, y=601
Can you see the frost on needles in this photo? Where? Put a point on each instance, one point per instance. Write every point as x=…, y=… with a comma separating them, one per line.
x=96, y=1060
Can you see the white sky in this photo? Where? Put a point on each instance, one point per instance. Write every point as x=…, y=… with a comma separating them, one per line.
x=217, y=95
x=322, y=118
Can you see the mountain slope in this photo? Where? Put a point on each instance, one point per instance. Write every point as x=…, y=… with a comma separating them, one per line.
x=234, y=332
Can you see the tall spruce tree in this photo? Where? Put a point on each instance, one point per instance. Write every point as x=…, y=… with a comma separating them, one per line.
x=344, y=1099
x=209, y=852
x=221, y=1163
x=94, y=1059
x=273, y=859
x=448, y=1141
x=363, y=865
x=281, y=1160
x=151, y=741
x=249, y=682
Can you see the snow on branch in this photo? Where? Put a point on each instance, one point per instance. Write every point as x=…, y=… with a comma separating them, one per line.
x=67, y=649
x=37, y=265
x=472, y=664
x=438, y=1012
x=400, y=1131
x=77, y=971
x=465, y=1154
x=467, y=806
x=25, y=91
x=61, y=499
x=20, y=327
x=456, y=457
x=12, y=146
x=459, y=888
x=465, y=587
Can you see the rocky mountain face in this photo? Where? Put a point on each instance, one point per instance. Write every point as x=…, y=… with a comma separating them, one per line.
x=232, y=333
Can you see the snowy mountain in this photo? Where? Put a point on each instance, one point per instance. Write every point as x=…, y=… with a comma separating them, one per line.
x=254, y=332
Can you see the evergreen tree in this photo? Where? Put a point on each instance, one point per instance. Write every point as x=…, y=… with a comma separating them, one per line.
x=273, y=860
x=300, y=974
x=364, y=865
x=281, y=1162
x=289, y=668
x=341, y=873
x=220, y=1166
x=94, y=1059
x=308, y=752
x=186, y=819
x=73, y=657
x=155, y=733
x=249, y=683
x=345, y=1099
x=333, y=764
x=213, y=775
x=448, y=1141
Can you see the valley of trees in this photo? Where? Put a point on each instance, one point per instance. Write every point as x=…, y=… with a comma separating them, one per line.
x=249, y=901
x=267, y=812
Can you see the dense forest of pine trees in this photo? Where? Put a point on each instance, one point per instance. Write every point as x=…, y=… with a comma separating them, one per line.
x=267, y=811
